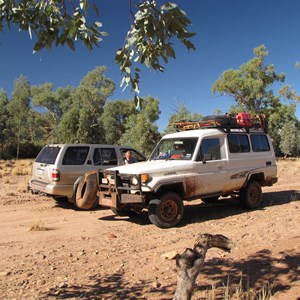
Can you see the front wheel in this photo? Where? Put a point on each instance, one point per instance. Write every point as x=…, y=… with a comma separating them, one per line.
x=251, y=195
x=167, y=211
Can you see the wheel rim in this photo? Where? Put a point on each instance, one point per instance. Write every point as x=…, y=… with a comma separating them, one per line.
x=169, y=210
x=253, y=196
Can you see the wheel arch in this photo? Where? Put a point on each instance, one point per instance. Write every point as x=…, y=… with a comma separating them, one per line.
x=259, y=177
x=174, y=187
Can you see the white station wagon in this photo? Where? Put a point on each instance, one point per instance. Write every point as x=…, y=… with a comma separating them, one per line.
x=206, y=162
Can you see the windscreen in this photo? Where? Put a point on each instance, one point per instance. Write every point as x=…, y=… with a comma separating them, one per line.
x=48, y=155
x=178, y=148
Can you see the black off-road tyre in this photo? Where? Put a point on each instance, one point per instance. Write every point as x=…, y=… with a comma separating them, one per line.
x=251, y=195
x=167, y=211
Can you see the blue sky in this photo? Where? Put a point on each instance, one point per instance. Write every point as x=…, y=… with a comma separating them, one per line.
x=227, y=32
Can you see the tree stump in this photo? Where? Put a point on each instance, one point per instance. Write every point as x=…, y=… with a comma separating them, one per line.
x=190, y=262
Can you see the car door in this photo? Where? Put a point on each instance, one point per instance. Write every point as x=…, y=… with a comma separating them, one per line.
x=104, y=158
x=210, y=167
x=73, y=164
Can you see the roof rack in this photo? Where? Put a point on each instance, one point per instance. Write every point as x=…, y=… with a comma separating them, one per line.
x=225, y=122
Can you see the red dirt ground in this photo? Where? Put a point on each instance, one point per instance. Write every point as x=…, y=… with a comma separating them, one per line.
x=96, y=255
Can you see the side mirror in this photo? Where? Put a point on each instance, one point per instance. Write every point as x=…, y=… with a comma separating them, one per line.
x=206, y=157
x=105, y=162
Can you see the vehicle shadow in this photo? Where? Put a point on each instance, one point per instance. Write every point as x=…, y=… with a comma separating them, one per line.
x=72, y=206
x=225, y=207
x=140, y=219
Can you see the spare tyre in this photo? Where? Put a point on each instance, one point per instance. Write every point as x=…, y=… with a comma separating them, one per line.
x=86, y=192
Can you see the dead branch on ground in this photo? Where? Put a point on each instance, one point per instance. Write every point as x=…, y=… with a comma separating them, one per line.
x=190, y=262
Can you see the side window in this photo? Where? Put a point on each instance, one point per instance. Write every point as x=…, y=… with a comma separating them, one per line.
x=105, y=156
x=75, y=156
x=259, y=142
x=210, y=148
x=238, y=143
x=135, y=154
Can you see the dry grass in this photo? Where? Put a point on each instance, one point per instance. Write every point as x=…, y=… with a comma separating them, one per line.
x=239, y=292
x=37, y=225
x=15, y=168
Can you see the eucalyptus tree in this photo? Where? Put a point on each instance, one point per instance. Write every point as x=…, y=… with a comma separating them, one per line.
x=51, y=104
x=114, y=117
x=280, y=120
x=290, y=139
x=18, y=108
x=76, y=111
x=5, y=131
x=181, y=113
x=61, y=22
x=89, y=98
x=141, y=132
x=251, y=84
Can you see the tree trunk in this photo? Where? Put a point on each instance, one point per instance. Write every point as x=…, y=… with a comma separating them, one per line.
x=18, y=142
x=190, y=262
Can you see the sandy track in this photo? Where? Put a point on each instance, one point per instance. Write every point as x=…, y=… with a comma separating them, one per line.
x=94, y=255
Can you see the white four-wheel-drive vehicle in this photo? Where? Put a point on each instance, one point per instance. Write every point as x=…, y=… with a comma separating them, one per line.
x=207, y=160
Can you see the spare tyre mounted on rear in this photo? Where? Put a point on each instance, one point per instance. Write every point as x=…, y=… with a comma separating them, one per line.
x=86, y=192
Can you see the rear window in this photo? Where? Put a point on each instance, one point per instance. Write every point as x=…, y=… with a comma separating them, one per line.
x=48, y=155
x=259, y=142
x=75, y=155
x=238, y=143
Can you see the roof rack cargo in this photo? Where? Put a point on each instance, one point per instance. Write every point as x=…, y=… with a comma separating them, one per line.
x=225, y=122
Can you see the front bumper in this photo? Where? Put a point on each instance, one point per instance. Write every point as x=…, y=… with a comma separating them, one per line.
x=118, y=191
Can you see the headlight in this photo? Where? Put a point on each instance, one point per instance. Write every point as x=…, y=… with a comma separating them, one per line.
x=134, y=181
x=108, y=180
x=145, y=178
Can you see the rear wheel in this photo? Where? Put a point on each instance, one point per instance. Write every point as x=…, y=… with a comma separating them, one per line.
x=251, y=195
x=167, y=211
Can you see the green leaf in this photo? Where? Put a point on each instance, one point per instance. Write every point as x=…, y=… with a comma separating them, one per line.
x=96, y=9
x=71, y=44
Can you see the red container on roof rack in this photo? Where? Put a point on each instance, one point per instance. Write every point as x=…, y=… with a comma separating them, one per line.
x=244, y=119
